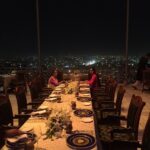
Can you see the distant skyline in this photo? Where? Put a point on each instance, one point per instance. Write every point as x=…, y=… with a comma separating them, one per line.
x=73, y=27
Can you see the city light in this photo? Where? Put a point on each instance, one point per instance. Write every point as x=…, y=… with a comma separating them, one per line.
x=91, y=62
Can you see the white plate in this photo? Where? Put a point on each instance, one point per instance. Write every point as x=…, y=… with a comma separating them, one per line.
x=84, y=95
x=53, y=95
x=51, y=99
x=84, y=84
x=43, y=107
x=39, y=112
x=87, y=120
x=61, y=85
x=58, y=89
x=87, y=103
x=84, y=89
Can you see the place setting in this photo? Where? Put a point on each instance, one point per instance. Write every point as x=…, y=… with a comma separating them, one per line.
x=84, y=85
x=54, y=98
x=83, y=113
x=84, y=92
x=87, y=103
x=42, y=113
x=84, y=99
x=26, y=140
x=81, y=141
x=85, y=95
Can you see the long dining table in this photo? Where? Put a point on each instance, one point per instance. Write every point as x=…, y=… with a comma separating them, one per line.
x=39, y=124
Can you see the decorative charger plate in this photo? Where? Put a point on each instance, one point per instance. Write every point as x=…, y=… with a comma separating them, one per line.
x=84, y=99
x=83, y=113
x=81, y=141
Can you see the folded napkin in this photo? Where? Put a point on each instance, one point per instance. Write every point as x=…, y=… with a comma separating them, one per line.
x=61, y=85
x=87, y=103
x=84, y=89
x=84, y=84
x=39, y=112
x=51, y=99
x=43, y=107
x=58, y=89
x=84, y=95
x=54, y=95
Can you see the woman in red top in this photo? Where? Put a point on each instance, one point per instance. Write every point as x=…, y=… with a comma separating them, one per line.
x=53, y=81
x=94, y=79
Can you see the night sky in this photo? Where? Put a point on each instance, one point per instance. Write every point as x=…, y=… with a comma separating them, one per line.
x=73, y=27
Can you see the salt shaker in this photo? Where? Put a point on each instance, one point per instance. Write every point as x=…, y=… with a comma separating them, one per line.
x=73, y=105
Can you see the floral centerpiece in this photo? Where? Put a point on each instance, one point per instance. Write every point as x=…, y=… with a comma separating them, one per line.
x=57, y=123
x=71, y=88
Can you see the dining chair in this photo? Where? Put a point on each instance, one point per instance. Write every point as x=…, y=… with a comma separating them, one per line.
x=109, y=95
x=110, y=108
x=109, y=132
x=36, y=95
x=22, y=103
x=146, y=79
x=134, y=144
x=6, y=117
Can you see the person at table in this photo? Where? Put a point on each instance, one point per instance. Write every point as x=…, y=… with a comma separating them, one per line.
x=53, y=81
x=94, y=79
x=59, y=75
x=5, y=133
x=142, y=65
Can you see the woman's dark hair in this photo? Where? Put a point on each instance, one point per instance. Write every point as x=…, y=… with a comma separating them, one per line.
x=98, y=80
x=93, y=69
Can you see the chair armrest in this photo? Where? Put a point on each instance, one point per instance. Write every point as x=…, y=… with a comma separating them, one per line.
x=104, y=98
x=112, y=119
x=26, y=111
x=101, y=94
x=108, y=110
x=118, y=117
x=37, y=100
x=108, y=102
x=47, y=89
x=35, y=103
x=21, y=116
x=43, y=95
x=122, y=130
x=7, y=127
x=129, y=144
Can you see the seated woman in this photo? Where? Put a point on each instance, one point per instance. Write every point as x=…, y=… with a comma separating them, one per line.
x=94, y=79
x=53, y=81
